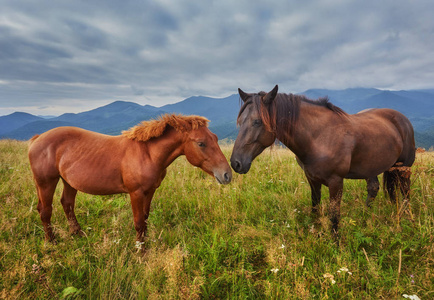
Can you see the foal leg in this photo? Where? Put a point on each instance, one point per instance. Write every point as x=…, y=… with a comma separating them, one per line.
x=335, y=189
x=141, y=204
x=315, y=188
x=373, y=187
x=68, y=203
x=46, y=191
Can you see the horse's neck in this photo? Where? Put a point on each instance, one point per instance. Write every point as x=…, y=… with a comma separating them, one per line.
x=310, y=123
x=166, y=148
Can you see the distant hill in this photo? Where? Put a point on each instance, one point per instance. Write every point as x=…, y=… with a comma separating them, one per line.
x=28, y=130
x=109, y=119
x=217, y=110
x=112, y=118
x=417, y=105
x=342, y=98
x=16, y=120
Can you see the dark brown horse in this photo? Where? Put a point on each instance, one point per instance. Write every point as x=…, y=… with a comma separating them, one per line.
x=329, y=144
x=134, y=162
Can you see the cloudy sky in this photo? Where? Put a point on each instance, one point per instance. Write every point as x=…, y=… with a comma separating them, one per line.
x=71, y=56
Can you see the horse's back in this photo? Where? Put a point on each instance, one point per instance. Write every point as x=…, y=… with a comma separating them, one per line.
x=64, y=133
x=397, y=121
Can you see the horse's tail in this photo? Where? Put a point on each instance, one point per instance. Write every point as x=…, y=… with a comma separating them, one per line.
x=397, y=176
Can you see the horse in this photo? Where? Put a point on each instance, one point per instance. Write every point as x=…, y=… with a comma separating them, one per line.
x=134, y=162
x=330, y=145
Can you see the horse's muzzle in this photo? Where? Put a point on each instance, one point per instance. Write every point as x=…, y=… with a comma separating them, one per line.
x=239, y=167
x=223, y=177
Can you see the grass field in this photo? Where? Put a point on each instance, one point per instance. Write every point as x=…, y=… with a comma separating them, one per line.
x=252, y=239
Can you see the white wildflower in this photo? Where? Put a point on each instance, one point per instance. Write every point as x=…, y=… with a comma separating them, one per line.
x=35, y=269
x=344, y=269
x=139, y=245
x=331, y=277
x=412, y=297
x=312, y=229
x=282, y=247
x=275, y=270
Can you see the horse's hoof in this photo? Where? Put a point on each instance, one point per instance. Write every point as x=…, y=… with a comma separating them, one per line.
x=78, y=232
x=315, y=211
x=51, y=240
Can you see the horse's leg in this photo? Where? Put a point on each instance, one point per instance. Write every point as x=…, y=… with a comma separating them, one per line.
x=389, y=184
x=68, y=203
x=373, y=187
x=404, y=184
x=46, y=191
x=335, y=189
x=315, y=188
x=141, y=203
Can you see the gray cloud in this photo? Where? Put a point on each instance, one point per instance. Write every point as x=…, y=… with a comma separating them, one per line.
x=77, y=55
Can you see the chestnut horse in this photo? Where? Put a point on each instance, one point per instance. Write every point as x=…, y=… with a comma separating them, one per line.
x=134, y=162
x=329, y=144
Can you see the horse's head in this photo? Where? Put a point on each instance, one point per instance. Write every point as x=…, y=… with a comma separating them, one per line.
x=253, y=136
x=202, y=150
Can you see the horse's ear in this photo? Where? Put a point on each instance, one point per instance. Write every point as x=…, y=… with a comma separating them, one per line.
x=269, y=97
x=243, y=95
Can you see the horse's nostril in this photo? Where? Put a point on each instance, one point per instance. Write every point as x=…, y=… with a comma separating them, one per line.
x=227, y=177
x=236, y=165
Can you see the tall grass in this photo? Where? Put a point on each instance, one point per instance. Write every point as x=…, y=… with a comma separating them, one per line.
x=254, y=238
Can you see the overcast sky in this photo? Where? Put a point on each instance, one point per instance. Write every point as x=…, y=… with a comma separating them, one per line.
x=72, y=56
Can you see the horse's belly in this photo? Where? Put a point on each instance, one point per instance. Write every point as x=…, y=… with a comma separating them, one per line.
x=95, y=183
x=100, y=188
x=359, y=176
x=368, y=169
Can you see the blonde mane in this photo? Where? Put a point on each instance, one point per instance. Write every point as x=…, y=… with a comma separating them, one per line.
x=147, y=130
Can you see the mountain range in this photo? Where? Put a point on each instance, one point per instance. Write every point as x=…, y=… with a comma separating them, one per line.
x=417, y=105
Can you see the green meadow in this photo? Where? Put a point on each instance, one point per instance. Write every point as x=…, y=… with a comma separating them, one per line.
x=252, y=239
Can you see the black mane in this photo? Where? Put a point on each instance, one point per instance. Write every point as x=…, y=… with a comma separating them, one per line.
x=324, y=102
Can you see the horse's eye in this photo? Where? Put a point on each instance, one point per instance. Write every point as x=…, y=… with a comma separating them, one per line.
x=200, y=144
x=257, y=122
